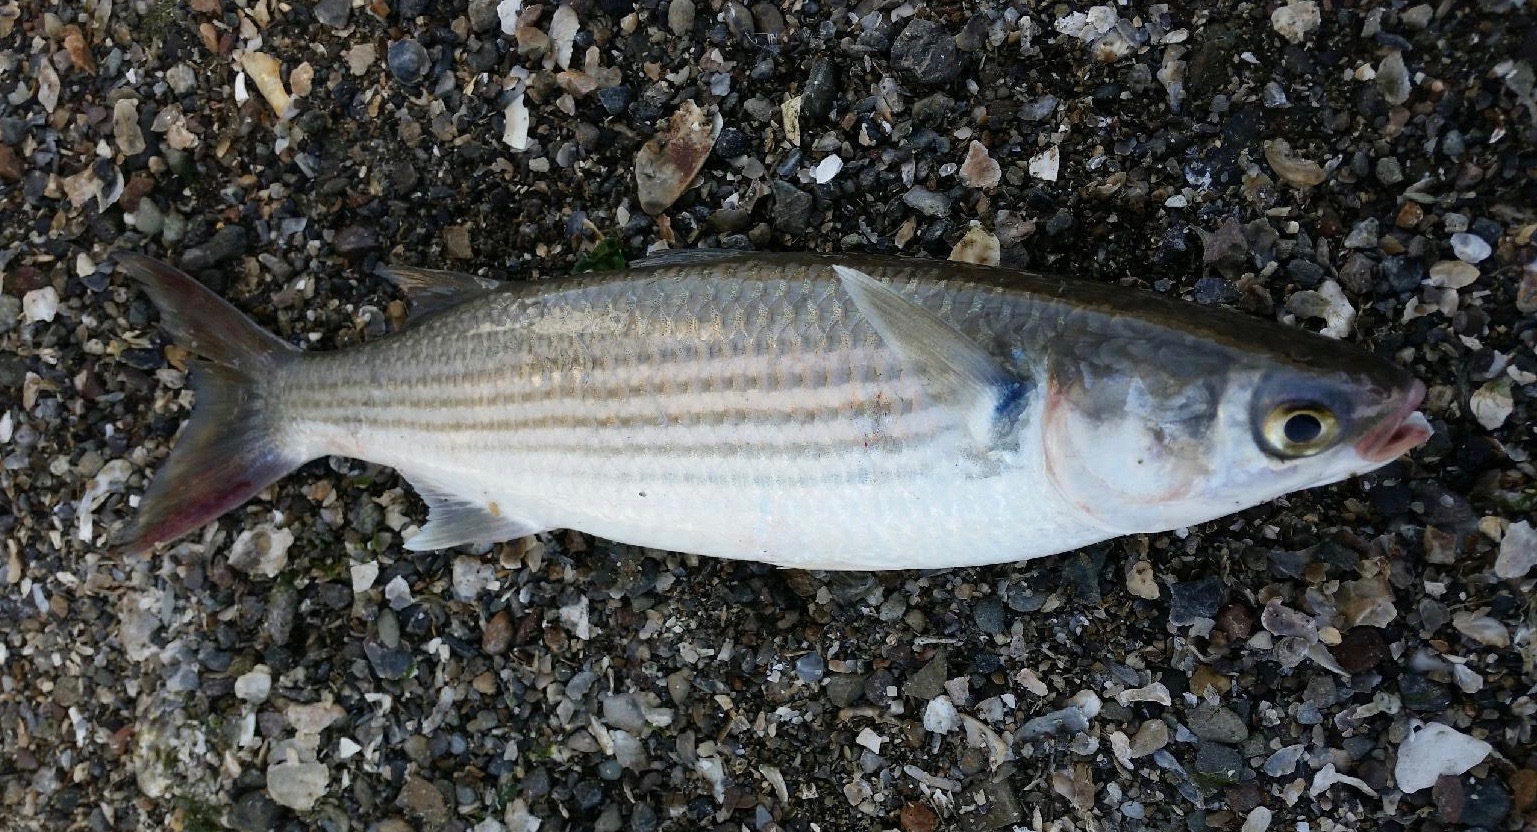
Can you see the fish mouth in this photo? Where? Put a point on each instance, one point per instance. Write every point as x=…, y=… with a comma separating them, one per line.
x=1402, y=430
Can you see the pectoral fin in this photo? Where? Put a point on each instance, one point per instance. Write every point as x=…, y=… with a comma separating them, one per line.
x=455, y=521
x=953, y=368
x=433, y=290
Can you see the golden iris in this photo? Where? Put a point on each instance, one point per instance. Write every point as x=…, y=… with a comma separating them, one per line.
x=1296, y=430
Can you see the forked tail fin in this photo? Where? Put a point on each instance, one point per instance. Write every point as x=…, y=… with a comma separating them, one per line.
x=231, y=448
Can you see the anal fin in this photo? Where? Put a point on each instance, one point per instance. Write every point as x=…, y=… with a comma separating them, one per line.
x=456, y=521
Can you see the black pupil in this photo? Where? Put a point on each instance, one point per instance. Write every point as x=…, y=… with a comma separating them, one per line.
x=1302, y=428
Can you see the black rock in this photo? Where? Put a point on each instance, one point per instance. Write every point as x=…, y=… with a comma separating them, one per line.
x=731, y=143
x=391, y=664
x=1391, y=500
x=412, y=9
x=789, y=164
x=1485, y=803
x=643, y=818
x=878, y=687
x=97, y=281
x=1305, y=273
x=536, y=784
x=1213, y=290
x=989, y=616
x=1421, y=694
x=588, y=794
x=254, y=812
x=1404, y=274
x=925, y=53
x=817, y=97
x=792, y=208
x=227, y=243
x=1440, y=506
x=1080, y=576
x=1194, y=599
x=615, y=100
x=408, y=60
x=1218, y=764
x=333, y=13
x=1488, y=229
x=355, y=239
x=143, y=358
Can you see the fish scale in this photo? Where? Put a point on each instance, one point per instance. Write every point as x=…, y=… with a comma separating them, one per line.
x=804, y=410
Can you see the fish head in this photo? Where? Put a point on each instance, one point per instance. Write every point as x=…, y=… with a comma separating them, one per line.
x=1199, y=434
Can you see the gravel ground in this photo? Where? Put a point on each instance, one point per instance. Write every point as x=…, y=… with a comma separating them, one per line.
x=1355, y=657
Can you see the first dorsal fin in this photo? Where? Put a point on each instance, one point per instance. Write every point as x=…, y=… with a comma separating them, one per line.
x=454, y=521
x=432, y=290
x=953, y=368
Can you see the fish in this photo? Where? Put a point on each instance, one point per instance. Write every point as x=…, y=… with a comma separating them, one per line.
x=811, y=411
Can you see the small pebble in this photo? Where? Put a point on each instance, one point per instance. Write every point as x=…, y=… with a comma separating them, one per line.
x=925, y=53
x=333, y=13
x=680, y=17
x=1434, y=750
x=811, y=668
x=407, y=60
x=1470, y=248
x=1393, y=78
x=1296, y=20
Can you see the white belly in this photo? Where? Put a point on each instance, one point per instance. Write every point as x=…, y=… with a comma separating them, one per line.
x=928, y=505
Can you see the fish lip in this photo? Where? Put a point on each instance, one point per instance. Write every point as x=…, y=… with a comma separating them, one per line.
x=1401, y=431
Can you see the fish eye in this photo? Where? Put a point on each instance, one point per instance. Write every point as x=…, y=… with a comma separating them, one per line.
x=1296, y=430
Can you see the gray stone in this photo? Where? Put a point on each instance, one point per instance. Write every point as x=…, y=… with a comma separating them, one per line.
x=334, y=13
x=254, y=812
x=1389, y=171
x=227, y=243
x=355, y=239
x=925, y=53
x=989, y=616
x=390, y=664
x=792, y=208
x=1219, y=764
x=929, y=681
x=10, y=312
x=821, y=84
x=1393, y=78
x=408, y=60
x=1210, y=722
x=624, y=711
x=1363, y=235
x=927, y=202
x=680, y=17
x=811, y=668
x=844, y=689
x=1194, y=599
x=483, y=16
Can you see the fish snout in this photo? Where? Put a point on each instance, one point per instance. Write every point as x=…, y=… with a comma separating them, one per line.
x=1402, y=430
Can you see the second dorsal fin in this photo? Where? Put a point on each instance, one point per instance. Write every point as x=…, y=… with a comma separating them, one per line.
x=686, y=257
x=432, y=290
